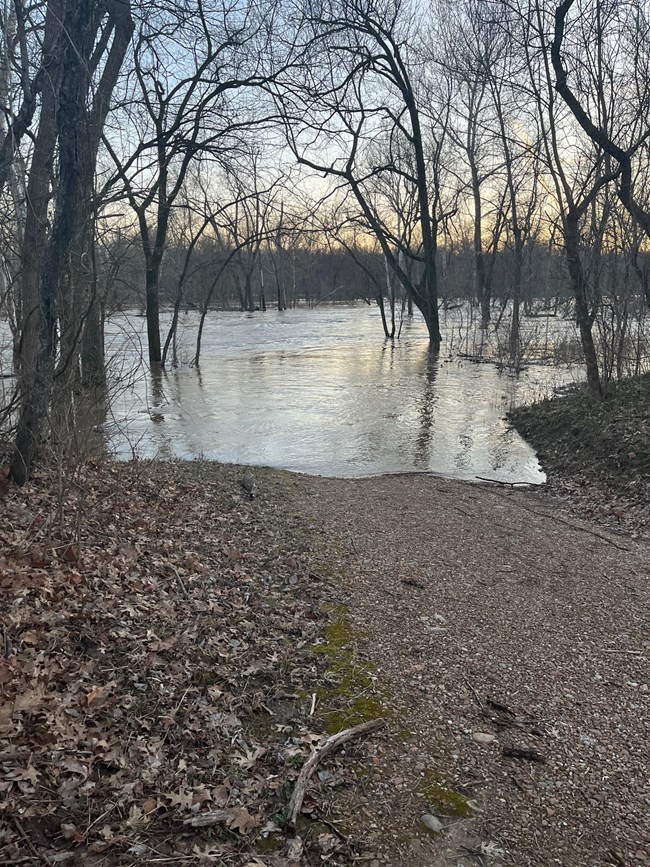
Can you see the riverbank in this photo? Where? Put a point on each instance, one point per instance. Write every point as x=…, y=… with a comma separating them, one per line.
x=596, y=455
x=174, y=650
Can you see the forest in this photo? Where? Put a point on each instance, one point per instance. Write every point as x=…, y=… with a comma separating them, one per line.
x=201, y=155
x=324, y=433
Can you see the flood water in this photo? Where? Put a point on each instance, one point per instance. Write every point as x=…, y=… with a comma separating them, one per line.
x=319, y=391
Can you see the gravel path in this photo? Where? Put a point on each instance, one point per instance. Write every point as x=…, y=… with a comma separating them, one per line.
x=495, y=620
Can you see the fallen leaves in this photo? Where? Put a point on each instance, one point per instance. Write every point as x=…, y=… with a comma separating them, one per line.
x=151, y=667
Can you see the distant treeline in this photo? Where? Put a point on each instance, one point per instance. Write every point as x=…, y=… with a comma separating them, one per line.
x=228, y=279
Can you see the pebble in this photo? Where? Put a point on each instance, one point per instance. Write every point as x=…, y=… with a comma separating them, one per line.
x=431, y=823
x=483, y=738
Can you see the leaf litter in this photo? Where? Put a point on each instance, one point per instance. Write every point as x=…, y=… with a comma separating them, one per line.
x=158, y=673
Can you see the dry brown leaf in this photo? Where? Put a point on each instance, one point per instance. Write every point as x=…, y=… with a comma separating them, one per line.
x=31, y=701
x=242, y=821
x=97, y=695
x=74, y=767
x=167, y=644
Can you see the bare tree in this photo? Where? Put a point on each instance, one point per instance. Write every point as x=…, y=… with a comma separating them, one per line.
x=182, y=111
x=82, y=32
x=577, y=179
x=354, y=83
x=472, y=45
x=630, y=28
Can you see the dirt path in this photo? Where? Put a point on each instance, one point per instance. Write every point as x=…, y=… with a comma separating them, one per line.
x=494, y=620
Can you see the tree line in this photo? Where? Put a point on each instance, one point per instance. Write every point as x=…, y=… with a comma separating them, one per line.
x=241, y=148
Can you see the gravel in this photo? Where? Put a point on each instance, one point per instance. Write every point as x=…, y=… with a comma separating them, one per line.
x=544, y=649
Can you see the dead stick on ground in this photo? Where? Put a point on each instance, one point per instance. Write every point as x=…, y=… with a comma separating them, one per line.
x=328, y=746
x=39, y=855
x=474, y=693
x=179, y=580
x=505, y=484
x=566, y=523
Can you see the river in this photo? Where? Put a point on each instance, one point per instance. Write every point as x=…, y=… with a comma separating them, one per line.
x=319, y=391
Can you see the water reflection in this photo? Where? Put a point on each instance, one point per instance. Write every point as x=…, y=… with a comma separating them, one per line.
x=427, y=410
x=318, y=391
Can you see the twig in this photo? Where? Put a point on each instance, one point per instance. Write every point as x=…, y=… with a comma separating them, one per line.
x=313, y=704
x=411, y=583
x=474, y=853
x=474, y=693
x=328, y=746
x=626, y=652
x=180, y=580
x=207, y=820
x=7, y=647
x=505, y=484
x=332, y=827
x=569, y=524
x=497, y=705
x=30, y=845
x=24, y=860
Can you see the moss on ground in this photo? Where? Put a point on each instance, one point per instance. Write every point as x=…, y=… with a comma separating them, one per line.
x=351, y=696
x=442, y=800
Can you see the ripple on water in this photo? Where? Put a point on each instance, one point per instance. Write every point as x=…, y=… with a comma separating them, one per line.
x=319, y=391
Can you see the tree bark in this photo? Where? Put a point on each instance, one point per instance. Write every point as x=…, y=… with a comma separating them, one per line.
x=584, y=316
x=69, y=113
x=64, y=118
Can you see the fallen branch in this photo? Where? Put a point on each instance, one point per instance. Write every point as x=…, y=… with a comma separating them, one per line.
x=503, y=708
x=505, y=484
x=207, y=820
x=569, y=524
x=179, y=580
x=475, y=694
x=39, y=856
x=328, y=746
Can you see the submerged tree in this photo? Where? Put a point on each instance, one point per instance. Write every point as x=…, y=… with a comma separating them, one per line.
x=180, y=104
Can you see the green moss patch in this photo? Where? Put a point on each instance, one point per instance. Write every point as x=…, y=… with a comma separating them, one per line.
x=351, y=695
x=441, y=799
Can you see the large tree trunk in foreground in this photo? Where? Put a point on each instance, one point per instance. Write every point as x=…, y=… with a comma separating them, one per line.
x=35, y=400
x=78, y=138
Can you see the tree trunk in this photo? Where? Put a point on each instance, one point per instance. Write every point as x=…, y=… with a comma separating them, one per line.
x=38, y=199
x=63, y=116
x=482, y=292
x=515, y=327
x=583, y=314
x=427, y=302
x=93, y=369
x=153, y=308
x=69, y=115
